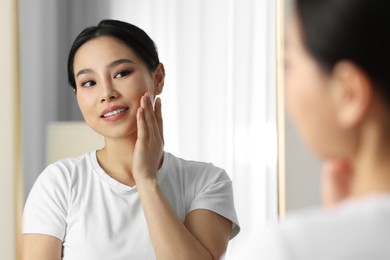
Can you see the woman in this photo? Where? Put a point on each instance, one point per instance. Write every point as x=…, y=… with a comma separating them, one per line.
x=338, y=93
x=129, y=200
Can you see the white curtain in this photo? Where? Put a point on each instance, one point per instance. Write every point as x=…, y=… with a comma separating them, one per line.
x=219, y=97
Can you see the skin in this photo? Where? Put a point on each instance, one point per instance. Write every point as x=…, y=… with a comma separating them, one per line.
x=108, y=73
x=342, y=119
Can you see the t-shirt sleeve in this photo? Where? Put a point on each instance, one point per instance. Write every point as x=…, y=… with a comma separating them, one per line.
x=45, y=211
x=215, y=193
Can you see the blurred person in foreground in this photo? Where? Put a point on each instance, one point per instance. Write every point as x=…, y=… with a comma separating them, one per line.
x=338, y=94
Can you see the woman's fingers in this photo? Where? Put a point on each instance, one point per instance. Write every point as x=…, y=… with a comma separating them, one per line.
x=141, y=125
x=151, y=120
x=158, y=115
x=156, y=131
x=148, y=150
x=148, y=118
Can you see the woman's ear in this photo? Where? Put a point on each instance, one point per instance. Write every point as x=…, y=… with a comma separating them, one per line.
x=159, y=78
x=352, y=92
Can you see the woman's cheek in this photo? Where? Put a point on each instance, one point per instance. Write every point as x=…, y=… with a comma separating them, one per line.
x=292, y=95
x=84, y=104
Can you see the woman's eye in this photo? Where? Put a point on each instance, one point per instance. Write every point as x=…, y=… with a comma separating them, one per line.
x=122, y=74
x=88, y=83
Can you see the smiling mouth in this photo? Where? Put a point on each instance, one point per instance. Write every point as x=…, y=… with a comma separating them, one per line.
x=113, y=113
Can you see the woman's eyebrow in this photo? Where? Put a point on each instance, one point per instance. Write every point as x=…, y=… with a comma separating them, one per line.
x=112, y=64
x=83, y=71
x=120, y=61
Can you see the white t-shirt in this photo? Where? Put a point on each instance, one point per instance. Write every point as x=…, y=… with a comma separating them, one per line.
x=354, y=230
x=98, y=217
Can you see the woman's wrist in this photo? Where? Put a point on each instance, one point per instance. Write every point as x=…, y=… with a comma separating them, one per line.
x=145, y=182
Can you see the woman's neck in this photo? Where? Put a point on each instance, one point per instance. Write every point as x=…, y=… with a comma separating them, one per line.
x=372, y=162
x=116, y=159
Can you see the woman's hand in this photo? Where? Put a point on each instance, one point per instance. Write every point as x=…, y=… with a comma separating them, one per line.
x=204, y=234
x=148, y=151
x=336, y=182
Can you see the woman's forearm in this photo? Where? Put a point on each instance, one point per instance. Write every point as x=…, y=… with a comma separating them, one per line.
x=170, y=238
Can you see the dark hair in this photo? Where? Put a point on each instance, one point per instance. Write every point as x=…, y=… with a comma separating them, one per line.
x=353, y=30
x=129, y=34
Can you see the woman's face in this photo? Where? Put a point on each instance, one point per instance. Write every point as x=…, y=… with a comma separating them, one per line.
x=110, y=80
x=310, y=98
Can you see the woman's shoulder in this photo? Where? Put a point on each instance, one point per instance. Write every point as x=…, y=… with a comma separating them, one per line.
x=75, y=161
x=193, y=168
x=349, y=211
x=348, y=229
x=68, y=167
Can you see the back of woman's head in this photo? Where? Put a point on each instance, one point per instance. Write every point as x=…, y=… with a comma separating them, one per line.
x=134, y=37
x=353, y=30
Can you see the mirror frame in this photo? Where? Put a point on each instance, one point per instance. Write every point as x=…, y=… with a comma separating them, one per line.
x=280, y=110
x=11, y=191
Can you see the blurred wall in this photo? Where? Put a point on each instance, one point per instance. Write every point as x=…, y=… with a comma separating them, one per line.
x=47, y=29
x=302, y=172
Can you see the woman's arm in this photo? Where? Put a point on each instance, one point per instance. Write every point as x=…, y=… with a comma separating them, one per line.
x=41, y=247
x=204, y=234
x=212, y=230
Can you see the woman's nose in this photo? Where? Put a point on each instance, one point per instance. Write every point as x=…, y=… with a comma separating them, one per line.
x=108, y=92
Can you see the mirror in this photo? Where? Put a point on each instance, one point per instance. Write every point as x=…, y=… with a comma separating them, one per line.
x=220, y=62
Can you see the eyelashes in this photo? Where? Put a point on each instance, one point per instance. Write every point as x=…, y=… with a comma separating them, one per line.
x=88, y=84
x=119, y=75
x=122, y=74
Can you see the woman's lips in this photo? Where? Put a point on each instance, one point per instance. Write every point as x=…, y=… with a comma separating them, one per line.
x=114, y=113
